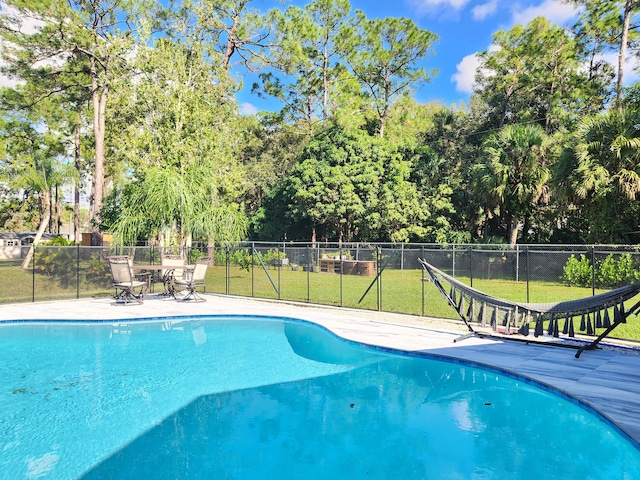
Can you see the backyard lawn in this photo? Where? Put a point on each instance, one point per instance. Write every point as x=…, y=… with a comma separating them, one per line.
x=401, y=291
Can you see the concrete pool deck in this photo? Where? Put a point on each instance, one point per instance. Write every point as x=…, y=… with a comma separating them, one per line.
x=607, y=379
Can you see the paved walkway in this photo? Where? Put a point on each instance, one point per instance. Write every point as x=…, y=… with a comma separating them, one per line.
x=607, y=380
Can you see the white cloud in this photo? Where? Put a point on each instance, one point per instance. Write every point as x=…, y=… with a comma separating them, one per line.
x=465, y=75
x=24, y=24
x=20, y=20
x=553, y=10
x=630, y=67
x=8, y=82
x=434, y=6
x=248, y=109
x=480, y=12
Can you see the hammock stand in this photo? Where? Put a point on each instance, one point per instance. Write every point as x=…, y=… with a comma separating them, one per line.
x=593, y=311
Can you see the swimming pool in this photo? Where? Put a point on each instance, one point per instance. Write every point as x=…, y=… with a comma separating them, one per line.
x=245, y=397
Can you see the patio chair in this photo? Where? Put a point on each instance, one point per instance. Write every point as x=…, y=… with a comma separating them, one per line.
x=192, y=279
x=167, y=275
x=140, y=276
x=125, y=283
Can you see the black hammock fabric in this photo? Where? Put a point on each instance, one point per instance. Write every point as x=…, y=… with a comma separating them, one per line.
x=597, y=311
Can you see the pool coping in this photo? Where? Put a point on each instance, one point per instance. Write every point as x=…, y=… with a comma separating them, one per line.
x=607, y=381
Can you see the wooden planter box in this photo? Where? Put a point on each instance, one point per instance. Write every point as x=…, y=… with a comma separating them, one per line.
x=347, y=267
x=366, y=267
x=350, y=267
x=330, y=265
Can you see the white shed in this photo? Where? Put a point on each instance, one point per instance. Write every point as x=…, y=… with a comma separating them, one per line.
x=16, y=244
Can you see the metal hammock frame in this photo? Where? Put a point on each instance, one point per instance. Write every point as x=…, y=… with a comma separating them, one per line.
x=593, y=311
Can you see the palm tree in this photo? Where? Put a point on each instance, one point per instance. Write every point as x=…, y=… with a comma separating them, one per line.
x=181, y=200
x=602, y=171
x=512, y=176
x=34, y=165
x=608, y=154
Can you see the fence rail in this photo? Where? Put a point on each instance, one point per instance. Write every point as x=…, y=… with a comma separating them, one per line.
x=385, y=277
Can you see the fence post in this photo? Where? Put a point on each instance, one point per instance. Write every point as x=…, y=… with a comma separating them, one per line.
x=253, y=252
x=341, y=265
x=226, y=269
x=379, y=282
x=279, y=265
x=308, y=274
x=593, y=269
x=33, y=274
x=453, y=260
x=527, y=261
x=77, y=272
x=470, y=266
x=423, y=280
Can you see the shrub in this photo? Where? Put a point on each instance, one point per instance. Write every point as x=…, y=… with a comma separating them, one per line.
x=577, y=272
x=57, y=262
x=273, y=256
x=612, y=272
x=97, y=270
x=615, y=273
x=629, y=268
x=240, y=257
x=195, y=255
x=60, y=242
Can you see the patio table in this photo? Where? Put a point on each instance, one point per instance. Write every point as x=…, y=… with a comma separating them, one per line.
x=156, y=268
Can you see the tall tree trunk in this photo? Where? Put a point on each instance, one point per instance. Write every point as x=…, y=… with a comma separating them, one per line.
x=628, y=7
x=505, y=106
x=325, y=79
x=99, y=97
x=45, y=211
x=51, y=212
x=514, y=228
x=547, y=119
x=56, y=212
x=309, y=117
x=231, y=42
x=385, y=108
x=29, y=256
x=76, y=191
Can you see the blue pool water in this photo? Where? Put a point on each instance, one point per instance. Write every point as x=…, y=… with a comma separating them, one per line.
x=250, y=398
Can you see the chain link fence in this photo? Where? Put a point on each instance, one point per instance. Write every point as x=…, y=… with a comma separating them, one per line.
x=383, y=277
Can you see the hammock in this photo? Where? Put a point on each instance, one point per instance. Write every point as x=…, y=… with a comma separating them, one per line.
x=593, y=311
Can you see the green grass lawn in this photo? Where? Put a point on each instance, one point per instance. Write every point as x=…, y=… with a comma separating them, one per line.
x=19, y=285
x=401, y=291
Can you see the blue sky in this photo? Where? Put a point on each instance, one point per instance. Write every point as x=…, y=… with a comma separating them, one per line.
x=464, y=27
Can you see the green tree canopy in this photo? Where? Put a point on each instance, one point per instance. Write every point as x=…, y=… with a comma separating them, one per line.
x=600, y=175
x=512, y=175
x=180, y=144
x=385, y=56
x=534, y=74
x=349, y=185
x=76, y=45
